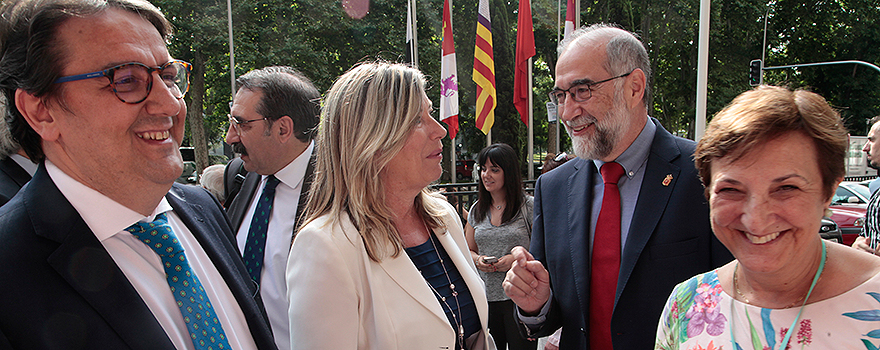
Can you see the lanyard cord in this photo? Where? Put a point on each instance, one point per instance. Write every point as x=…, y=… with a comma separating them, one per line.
x=793, y=323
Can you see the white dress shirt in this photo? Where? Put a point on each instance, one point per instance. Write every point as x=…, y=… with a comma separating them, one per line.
x=273, y=287
x=143, y=267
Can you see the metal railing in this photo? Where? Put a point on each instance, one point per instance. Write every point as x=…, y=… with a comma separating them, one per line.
x=463, y=195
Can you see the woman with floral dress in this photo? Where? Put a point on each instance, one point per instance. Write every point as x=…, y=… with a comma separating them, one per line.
x=770, y=162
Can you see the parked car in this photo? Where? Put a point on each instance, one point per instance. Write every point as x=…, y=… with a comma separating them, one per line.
x=464, y=169
x=848, y=207
x=830, y=231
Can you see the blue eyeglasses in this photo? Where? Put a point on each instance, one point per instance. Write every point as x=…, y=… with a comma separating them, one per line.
x=133, y=81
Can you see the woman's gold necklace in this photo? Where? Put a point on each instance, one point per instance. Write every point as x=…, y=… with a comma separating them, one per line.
x=743, y=296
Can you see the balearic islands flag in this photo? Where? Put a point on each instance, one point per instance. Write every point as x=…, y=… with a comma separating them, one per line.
x=484, y=70
x=448, y=75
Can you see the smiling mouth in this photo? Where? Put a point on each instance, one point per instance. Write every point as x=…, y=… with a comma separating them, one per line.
x=581, y=127
x=762, y=239
x=154, y=135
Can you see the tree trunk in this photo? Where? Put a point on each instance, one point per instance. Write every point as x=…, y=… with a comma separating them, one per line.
x=195, y=113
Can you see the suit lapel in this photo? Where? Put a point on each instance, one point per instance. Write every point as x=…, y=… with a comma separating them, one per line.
x=84, y=263
x=205, y=230
x=405, y=274
x=661, y=176
x=207, y=226
x=242, y=200
x=304, y=195
x=579, y=209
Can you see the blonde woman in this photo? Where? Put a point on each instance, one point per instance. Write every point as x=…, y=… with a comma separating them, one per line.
x=380, y=262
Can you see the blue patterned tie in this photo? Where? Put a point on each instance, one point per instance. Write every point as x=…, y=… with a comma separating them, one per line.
x=255, y=247
x=198, y=314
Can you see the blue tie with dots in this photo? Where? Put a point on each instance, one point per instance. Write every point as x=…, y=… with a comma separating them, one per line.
x=255, y=247
x=198, y=314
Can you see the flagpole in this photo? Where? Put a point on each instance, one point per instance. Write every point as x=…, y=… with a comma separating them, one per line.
x=415, y=34
x=454, y=169
x=531, y=127
x=452, y=139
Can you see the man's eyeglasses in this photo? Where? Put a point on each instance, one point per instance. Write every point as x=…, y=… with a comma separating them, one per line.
x=579, y=92
x=133, y=81
x=237, y=123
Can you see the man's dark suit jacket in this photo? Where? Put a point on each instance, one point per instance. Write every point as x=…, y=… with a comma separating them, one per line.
x=62, y=290
x=242, y=201
x=12, y=178
x=669, y=241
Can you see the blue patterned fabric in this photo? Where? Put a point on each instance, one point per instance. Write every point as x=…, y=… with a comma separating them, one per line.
x=198, y=314
x=255, y=248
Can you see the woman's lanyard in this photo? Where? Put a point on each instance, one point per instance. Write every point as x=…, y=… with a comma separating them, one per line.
x=785, y=340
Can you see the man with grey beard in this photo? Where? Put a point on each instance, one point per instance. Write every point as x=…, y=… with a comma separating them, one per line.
x=606, y=254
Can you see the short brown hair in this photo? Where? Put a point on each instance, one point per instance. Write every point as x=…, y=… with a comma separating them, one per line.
x=767, y=112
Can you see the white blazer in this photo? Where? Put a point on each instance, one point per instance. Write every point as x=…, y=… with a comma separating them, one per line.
x=341, y=299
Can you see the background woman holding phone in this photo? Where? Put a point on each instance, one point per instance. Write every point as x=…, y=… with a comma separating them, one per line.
x=500, y=220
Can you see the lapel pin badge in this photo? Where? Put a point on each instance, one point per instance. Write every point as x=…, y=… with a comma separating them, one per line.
x=667, y=180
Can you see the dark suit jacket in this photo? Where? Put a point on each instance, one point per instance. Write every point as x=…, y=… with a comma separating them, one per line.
x=12, y=177
x=242, y=201
x=62, y=290
x=669, y=241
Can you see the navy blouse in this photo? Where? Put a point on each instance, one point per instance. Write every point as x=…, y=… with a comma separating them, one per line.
x=424, y=256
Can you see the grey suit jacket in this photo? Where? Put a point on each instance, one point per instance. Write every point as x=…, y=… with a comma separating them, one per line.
x=669, y=241
x=62, y=290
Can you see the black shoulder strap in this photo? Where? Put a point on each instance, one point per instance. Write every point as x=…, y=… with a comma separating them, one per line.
x=233, y=177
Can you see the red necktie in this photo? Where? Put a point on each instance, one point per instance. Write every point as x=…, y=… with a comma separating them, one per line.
x=605, y=263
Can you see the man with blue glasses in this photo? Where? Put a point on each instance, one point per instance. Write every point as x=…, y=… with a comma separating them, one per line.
x=101, y=250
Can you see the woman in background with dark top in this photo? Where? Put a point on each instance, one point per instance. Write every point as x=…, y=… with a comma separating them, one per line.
x=500, y=220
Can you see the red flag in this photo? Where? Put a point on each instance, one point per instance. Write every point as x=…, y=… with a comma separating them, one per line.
x=525, y=49
x=569, y=18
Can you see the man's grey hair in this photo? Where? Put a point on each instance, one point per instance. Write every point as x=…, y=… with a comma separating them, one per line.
x=624, y=51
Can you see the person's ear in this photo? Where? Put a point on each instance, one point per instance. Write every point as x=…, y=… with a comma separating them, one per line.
x=35, y=111
x=285, y=128
x=635, y=88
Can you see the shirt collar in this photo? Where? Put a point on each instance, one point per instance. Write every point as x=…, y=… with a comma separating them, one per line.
x=104, y=216
x=293, y=173
x=635, y=155
x=26, y=164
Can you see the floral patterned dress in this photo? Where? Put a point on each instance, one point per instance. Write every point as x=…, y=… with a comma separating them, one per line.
x=700, y=316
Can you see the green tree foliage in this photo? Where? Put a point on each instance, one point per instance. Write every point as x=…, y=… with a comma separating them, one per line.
x=324, y=39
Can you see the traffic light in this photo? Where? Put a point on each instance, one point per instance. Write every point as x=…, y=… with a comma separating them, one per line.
x=755, y=72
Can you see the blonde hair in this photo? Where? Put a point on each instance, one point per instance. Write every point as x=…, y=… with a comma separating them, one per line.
x=367, y=116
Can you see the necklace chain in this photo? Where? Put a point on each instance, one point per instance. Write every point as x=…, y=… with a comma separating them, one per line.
x=746, y=299
x=784, y=343
x=458, y=320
